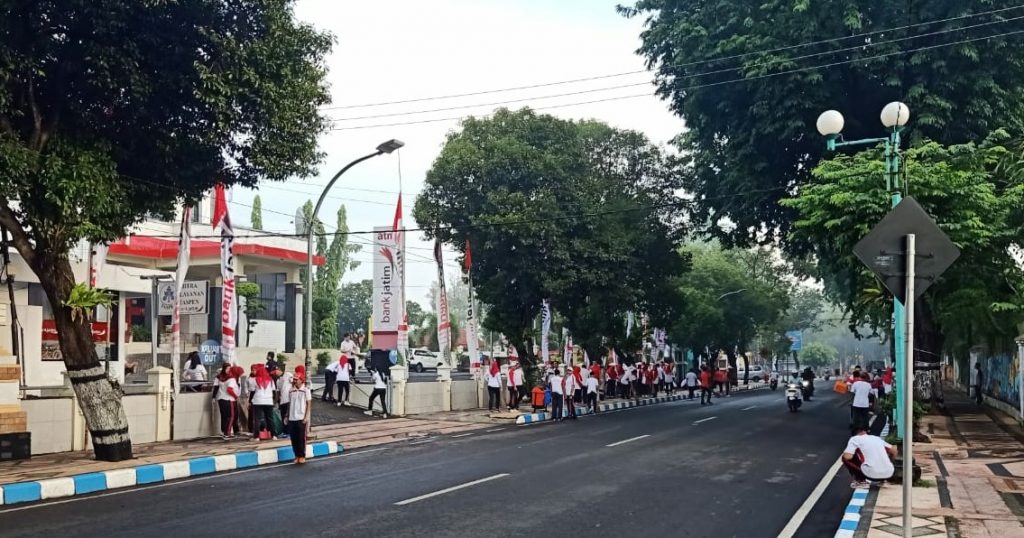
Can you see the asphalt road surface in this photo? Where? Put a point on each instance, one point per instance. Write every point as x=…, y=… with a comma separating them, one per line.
x=742, y=467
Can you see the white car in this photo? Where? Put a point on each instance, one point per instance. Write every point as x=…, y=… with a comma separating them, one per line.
x=422, y=359
x=757, y=373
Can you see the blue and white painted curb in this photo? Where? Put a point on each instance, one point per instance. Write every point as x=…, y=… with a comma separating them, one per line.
x=851, y=516
x=81, y=484
x=533, y=418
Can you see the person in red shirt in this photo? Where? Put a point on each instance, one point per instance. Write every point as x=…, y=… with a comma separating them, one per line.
x=612, y=375
x=705, y=385
x=651, y=377
x=720, y=378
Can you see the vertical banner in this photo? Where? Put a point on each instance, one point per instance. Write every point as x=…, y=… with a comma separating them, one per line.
x=567, y=355
x=228, y=313
x=97, y=259
x=444, y=337
x=402, y=343
x=387, y=285
x=184, y=251
x=545, y=330
x=472, y=339
x=629, y=323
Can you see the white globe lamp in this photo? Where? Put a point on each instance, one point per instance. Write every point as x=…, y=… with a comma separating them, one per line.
x=830, y=123
x=895, y=114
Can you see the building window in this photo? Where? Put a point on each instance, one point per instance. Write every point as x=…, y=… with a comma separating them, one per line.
x=272, y=294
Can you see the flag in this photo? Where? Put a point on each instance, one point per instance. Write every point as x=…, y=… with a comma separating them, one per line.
x=184, y=252
x=397, y=224
x=586, y=359
x=545, y=317
x=612, y=356
x=97, y=259
x=629, y=323
x=403, y=316
x=567, y=358
x=444, y=336
x=468, y=262
x=228, y=312
x=472, y=344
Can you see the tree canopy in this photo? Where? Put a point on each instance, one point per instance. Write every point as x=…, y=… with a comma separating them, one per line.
x=750, y=77
x=818, y=355
x=112, y=111
x=355, y=306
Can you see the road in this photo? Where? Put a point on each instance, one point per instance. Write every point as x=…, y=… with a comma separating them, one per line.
x=741, y=467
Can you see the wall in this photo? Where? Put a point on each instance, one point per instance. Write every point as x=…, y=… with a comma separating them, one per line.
x=141, y=410
x=423, y=398
x=49, y=420
x=1001, y=379
x=267, y=334
x=464, y=395
x=194, y=416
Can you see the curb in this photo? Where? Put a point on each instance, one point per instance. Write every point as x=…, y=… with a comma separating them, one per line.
x=82, y=484
x=533, y=418
x=851, y=516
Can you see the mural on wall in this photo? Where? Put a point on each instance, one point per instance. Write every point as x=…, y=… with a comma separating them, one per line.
x=1001, y=380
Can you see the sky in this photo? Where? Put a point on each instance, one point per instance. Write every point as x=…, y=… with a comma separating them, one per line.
x=402, y=50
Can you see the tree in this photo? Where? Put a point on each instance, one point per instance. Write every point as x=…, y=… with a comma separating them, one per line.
x=974, y=192
x=555, y=209
x=326, y=279
x=256, y=217
x=415, y=313
x=112, y=111
x=744, y=75
x=354, y=306
x=818, y=355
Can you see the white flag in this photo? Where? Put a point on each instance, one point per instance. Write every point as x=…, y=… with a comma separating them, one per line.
x=184, y=252
x=629, y=323
x=228, y=314
x=472, y=344
x=545, y=317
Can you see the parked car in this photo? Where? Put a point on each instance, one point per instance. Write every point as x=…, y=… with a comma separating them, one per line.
x=423, y=359
x=757, y=373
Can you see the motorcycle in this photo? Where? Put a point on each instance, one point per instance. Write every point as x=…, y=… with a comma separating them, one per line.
x=773, y=384
x=794, y=397
x=807, y=389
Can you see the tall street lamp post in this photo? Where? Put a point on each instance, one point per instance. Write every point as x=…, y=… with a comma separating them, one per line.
x=386, y=147
x=894, y=117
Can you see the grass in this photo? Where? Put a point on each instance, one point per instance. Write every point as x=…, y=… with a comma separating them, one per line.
x=924, y=483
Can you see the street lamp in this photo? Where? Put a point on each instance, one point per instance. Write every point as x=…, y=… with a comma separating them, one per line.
x=385, y=147
x=894, y=117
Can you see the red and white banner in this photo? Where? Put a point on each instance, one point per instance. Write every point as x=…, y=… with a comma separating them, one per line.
x=472, y=341
x=444, y=335
x=387, y=284
x=403, y=317
x=184, y=252
x=51, y=340
x=228, y=311
x=97, y=259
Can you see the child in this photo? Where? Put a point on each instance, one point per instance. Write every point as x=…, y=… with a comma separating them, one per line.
x=300, y=402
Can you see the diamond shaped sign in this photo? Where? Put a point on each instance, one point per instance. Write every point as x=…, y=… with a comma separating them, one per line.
x=883, y=250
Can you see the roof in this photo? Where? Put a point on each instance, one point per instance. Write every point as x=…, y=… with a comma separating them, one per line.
x=140, y=246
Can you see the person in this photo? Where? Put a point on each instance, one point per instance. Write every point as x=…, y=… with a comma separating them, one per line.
x=570, y=384
x=577, y=392
x=611, y=379
x=130, y=366
x=808, y=376
x=670, y=377
x=250, y=389
x=271, y=362
x=194, y=369
x=493, y=378
x=867, y=457
x=350, y=348
x=625, y=381
x=284, y=389
x=557, y=393
x=591, y=385
x=720, y=378
x=730, y=375
x=330, y=378
x=515, y=384
x=705, y=385
x=380, y=388
x=887, y=379
x=300, y=404
x=859, y=409
x=226, y=393
x=537, y=399
x=344, y=378
x=978, y=382
x=262, y=401
x=691, y=382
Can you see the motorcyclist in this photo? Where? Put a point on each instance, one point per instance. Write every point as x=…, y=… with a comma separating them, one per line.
x=808, y=376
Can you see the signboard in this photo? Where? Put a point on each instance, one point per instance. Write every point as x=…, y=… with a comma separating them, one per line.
x=51, y=341
x=387, y=284
x=883, y=250
x=209, y=352
x=194, y=295
x=796, y=339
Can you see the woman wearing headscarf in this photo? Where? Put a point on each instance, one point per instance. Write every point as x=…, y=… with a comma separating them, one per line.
x=494, y=387
x=262, y=400
x=226, y=393
x=194, y=369
x=515, y=382
x=344, y=376
x=569, y=387
x=300, y=402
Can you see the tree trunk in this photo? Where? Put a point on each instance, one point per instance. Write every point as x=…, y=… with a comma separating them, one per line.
x=98, y=395
x=746, y=369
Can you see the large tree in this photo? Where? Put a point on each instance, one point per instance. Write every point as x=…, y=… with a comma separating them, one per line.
x=749, y=78
x=111, y=111
x=355, y=306
x=577, y=212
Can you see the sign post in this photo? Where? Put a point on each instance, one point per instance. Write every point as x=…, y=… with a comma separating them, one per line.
x=908, y=391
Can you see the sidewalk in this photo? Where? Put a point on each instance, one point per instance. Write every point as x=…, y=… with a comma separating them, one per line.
x=972, y=478
x=214, y=454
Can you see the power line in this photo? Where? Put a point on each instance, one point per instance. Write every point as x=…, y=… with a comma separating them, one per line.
x=766, y=63
x=676, y=66
x=709, y=84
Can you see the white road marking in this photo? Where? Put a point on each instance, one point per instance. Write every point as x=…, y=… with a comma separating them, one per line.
x=495, y=430
x=748, y=408
x=704, y=420
x=421, y=442
x=451, y=489
x=462, y=435
x=630, y=440
x=801, y=514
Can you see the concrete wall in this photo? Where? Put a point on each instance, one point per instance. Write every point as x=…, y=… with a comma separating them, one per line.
x=50, y=421
x=423, y=398
x=464, y=395
x=268, y=334
x=142, y=412
x=195, y=416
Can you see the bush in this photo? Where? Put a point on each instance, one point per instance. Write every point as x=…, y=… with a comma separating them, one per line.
x=282, y=359
x=322, y=359
x=141, y=333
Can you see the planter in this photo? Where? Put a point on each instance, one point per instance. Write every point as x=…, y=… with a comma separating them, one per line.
x=897, y=477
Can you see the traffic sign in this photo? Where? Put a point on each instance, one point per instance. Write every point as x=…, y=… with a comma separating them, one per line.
x=795, y=340
x=883, y=250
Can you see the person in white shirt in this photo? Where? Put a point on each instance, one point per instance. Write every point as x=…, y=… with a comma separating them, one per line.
x=262, y=400
x=591, y=384
x=691, y=382
x=344, y=378
x=860, y=408
x=380, y=388
x=350, y=349
x=300, y=403
x=284, y=389
x=515, y=384
x=493, y=378
x=557, y=396
x=867, y=457
x=330, y=378
x=570, y=384
x=226, y=393
x=194, y=369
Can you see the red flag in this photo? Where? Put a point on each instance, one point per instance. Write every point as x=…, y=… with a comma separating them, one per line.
x=468, y=263
x=220, y=206
x=398, y=214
